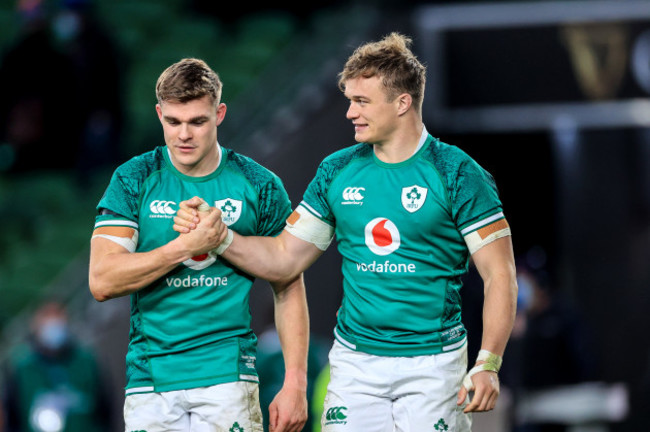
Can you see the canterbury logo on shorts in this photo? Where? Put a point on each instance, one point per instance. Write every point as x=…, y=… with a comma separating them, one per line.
x=336, y=415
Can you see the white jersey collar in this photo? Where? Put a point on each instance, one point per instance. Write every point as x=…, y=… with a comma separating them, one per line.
x=423, y=139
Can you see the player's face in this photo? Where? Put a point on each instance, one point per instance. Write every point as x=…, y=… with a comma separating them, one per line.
x=373, y=116
x=190, y=130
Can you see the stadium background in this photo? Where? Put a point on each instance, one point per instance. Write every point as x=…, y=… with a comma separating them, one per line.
x=551, y=97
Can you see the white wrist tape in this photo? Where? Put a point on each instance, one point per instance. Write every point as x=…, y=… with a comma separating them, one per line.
x=492, y=363
x=492, y=359
x=224, y=244
x=203, y=207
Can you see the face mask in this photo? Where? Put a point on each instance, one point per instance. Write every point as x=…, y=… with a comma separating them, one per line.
x=53, y=335
x=66, y=26
x=525, y=294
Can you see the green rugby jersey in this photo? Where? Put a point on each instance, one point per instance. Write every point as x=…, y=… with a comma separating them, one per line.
x=400, y=230
x=191, y=328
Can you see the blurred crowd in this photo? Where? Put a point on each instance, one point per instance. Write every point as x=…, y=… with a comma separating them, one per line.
x=62, y=91
x=51, y=382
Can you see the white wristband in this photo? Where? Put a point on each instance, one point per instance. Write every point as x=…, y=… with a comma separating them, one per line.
x=224, y=244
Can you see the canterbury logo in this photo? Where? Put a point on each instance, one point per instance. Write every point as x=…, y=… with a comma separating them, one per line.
x=336, y=413
x=162, y=207
x=352, y=195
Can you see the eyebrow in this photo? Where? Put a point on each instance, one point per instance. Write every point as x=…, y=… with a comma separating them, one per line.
x=192, y=120
x=358, y=97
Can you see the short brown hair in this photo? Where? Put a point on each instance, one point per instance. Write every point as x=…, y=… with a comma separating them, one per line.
x=187, y=80
x=393, y=61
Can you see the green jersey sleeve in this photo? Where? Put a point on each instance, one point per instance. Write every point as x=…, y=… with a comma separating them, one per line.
x=472, y=190
x=122, y=196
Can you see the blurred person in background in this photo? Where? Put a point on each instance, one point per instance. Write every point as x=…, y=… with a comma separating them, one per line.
x=97, y=65
x=191, y=361
x=551, y=344
x=408, y=212
x=61, y=85
x=52, y=382
x=38, y=88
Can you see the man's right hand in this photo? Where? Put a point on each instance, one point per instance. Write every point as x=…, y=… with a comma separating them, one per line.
x=187, y=216
x=201, y=232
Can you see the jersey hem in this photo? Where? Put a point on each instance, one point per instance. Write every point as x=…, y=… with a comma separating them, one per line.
x=199, y=383
x=385, y=351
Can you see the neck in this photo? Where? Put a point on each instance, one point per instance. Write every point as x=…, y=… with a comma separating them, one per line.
x=401, y=145
x=207, y=165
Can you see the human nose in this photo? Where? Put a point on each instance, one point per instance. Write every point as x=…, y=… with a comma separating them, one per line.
x=351, y=113
x=185, y=132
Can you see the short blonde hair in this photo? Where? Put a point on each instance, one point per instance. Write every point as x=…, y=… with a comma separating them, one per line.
x=392, y=60
x=187, y=80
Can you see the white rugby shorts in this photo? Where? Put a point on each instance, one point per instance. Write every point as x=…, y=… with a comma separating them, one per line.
x=231, y=406
x=372, y=393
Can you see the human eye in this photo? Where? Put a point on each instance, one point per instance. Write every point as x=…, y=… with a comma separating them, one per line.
x=198, y=121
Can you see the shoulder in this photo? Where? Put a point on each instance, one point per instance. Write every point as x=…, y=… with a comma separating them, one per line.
x=447, y=157
x=341, y=159
x=452, y=163
x=141, y=166
x=345, y=156
x=254, y=171
x=245, y=164
x=128, y=181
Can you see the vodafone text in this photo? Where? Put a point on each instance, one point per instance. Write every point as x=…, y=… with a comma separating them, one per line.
x=386, y=267
x=202, y=280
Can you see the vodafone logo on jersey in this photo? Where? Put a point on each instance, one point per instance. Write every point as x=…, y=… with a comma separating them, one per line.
x=382, y=236
x=200, y=262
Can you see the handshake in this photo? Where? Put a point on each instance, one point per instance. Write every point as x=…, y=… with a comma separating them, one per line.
x=201, y=227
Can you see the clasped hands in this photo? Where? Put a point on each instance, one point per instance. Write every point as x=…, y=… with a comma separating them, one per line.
x=201, y=231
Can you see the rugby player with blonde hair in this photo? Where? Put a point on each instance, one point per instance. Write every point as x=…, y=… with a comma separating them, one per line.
x=408, y=212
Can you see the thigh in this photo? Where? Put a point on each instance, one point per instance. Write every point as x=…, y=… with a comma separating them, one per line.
x=356, y=397
x=229, y=407
x=425, y=399
x=155, y=412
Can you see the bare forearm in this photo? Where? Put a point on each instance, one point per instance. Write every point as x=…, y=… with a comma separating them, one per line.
x=292, y=323
x=120, y=274
x=270, y=258
x=499, y=311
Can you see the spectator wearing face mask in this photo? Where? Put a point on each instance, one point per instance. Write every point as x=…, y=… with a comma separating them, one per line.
x=52, y=383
